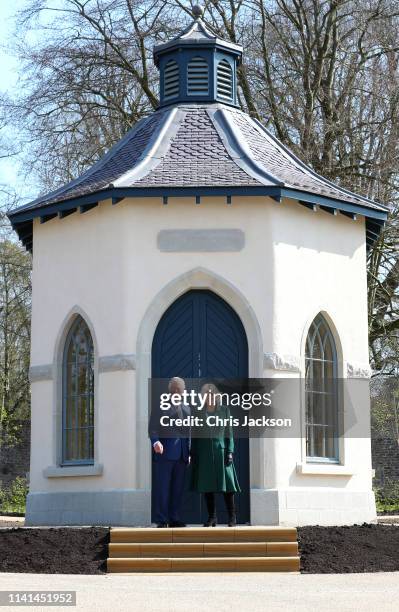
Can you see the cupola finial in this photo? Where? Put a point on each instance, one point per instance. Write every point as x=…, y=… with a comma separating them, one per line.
x=197, y=11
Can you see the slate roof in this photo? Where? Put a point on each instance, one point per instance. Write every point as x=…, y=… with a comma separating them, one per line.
x=193, y=146
x=268, y=151
x=197, y=157
x=120, y=159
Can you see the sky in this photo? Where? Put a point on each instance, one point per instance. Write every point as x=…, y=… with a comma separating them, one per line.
x=9, y=168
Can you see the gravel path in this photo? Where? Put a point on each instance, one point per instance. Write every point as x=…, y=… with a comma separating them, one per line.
x=223, y=592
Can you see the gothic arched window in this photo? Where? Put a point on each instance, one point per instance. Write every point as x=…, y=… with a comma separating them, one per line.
x=321, y=393
x=78, y=395
x=197, y=77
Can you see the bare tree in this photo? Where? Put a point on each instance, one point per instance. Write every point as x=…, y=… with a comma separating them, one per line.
x=86, y=82
x=15, y=292
x=322, y=74
x=15, y=311
x=383, y=301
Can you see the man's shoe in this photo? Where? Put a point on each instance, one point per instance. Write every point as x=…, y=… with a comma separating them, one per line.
x=161, y=525
x=177, y=524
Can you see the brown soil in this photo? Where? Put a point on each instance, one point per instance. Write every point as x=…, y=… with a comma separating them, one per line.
x=54, y=551
x=323, y=550
x=351, y=549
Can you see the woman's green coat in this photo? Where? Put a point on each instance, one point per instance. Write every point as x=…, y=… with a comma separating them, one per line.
x=209, y=472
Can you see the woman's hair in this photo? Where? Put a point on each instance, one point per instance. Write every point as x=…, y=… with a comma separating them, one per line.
x=212, y=389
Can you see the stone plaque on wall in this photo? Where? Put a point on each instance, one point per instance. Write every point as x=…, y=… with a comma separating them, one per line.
x=200, y=240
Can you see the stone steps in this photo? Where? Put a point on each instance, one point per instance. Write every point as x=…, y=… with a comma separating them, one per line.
x=204, y=534
x=211, y=564
x=202, y=549
x=207, y=549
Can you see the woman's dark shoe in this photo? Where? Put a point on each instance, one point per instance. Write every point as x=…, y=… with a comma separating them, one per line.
x=162, y=525
x=211, y=522
x=232, y=521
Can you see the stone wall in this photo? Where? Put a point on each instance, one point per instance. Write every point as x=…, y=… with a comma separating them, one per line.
x=385, y=456
x=14, y=460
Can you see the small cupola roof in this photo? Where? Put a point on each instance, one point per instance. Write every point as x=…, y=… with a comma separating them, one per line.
x=197, y=66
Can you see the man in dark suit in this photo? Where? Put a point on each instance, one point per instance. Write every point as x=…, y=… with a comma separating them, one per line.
x=171, y=457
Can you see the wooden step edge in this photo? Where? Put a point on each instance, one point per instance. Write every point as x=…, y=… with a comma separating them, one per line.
x=203, y=549
x=242, y=528
x=203, y=534
x=205, y=564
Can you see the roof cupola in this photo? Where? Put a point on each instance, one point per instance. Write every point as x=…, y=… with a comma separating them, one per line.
x=197, y=66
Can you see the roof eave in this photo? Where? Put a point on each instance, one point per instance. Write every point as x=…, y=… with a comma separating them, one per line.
x=340, y=205
x=22, y=220
x=217, y=43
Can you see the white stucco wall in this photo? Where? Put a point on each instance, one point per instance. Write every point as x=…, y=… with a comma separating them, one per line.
x=295, y=263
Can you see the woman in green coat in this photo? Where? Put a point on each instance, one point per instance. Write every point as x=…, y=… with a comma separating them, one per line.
x=212, y=459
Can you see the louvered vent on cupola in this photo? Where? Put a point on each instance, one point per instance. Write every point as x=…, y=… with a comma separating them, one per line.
x=197, y=67
x=198, y=77
x=224, y=80
x=171, y=80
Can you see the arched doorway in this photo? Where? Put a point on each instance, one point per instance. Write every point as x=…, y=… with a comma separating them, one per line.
x=201, y=336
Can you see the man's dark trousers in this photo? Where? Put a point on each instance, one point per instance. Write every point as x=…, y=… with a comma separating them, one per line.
x=170, y=470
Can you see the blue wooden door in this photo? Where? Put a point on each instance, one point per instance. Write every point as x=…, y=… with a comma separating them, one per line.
x=201, y=336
